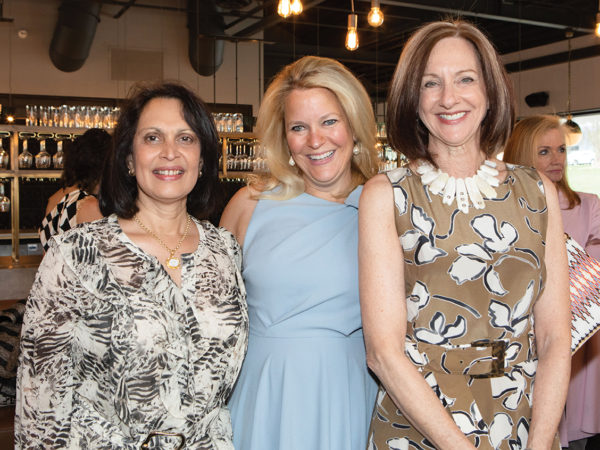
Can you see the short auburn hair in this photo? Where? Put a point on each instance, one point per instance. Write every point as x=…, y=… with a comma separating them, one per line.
x=406, y=132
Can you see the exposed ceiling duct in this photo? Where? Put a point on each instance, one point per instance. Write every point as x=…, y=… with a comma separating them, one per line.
x=205, y=23
x=74, y=33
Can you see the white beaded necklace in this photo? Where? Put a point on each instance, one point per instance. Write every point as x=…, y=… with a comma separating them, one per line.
x=463, y=189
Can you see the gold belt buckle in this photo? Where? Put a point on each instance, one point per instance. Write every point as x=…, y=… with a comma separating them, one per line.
x=146, y=444
x=498, y=347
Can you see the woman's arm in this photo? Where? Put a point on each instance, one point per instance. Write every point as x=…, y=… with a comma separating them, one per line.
x=383, y=307
x=592, y=246
x=45, y=373
x=552, y=325
x=238, y=212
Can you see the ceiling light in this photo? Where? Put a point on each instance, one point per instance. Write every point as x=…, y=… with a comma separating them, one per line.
x=296, y=7
x=352, y=35
x=598, y=23
x=284, y=9
x=375, y=17
x=574, y=133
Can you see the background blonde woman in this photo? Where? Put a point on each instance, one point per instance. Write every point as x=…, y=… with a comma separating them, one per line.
x=539, y=141
x=304, y=383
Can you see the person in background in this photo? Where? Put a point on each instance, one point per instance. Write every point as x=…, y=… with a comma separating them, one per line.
x=459, y=255
x=136, y=325
x=76, y=201
x=304, y=383
x=539, y=141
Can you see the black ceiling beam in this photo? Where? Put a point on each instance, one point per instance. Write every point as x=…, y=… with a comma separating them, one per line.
x=482, y=15
x=124, y=9
x=271, y=21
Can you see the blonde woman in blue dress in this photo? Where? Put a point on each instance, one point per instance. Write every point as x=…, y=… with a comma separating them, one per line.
x=304, y=383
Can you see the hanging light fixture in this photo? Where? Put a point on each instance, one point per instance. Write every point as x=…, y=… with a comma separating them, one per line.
x=284, y=8
x=598, y=20
x=352, y=35
x=375, y=17
x=574, y=134
x=296, y=7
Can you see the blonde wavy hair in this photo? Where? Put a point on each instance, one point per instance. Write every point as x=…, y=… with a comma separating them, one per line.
x=522, y=145
x=307, y=73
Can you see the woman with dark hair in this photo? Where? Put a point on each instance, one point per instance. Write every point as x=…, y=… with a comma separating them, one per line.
x=136, y=325
x=460, y=255
x=539, y=141
x=76, y=201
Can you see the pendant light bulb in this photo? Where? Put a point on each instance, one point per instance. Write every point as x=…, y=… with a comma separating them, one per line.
x=598, y=24
x=375, y=17
x=352, y=35
x=296, y=7
x=284, y=9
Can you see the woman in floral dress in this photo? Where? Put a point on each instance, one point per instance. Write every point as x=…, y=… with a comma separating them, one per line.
x=460, y=255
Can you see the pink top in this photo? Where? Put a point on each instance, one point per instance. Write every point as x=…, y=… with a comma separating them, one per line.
x=582, y=416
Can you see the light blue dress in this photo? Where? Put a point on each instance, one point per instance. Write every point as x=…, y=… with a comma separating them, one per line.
x=304, y=384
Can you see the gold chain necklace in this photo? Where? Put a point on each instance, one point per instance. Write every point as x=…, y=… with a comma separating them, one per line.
x=172, y=261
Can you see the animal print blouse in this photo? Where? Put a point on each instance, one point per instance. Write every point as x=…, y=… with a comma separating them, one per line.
x=112, y=349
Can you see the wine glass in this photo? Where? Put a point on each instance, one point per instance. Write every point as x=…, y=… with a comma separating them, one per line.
x=42, y=159
x=58, y=157
x=25, y=158
x=3, y=157
x=4, y=200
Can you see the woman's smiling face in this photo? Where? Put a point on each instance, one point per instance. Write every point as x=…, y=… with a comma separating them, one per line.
x=320, y=141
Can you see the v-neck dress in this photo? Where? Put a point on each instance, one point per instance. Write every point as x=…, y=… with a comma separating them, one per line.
x=113, y=349
x=470, y=279
x=304, y=383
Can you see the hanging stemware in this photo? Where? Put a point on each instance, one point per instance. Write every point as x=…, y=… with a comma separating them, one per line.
x=43, y=158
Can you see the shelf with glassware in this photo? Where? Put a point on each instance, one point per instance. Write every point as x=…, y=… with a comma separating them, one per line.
x=32, y=156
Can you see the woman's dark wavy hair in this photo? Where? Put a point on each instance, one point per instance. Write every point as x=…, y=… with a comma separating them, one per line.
x=84, y=158
x=119, y=191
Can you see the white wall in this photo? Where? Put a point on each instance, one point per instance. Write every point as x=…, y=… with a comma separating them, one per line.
x=25, y=66
x=585, y=79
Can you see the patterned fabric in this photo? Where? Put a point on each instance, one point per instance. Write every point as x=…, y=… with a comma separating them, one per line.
x=584, y=283
x=494, y=272
x=112, y=348
x=11, y=320
x=62, y=218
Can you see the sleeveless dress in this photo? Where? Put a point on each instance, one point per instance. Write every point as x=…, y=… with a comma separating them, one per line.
x=304, y=384
x=471, y=283
x=63, y=216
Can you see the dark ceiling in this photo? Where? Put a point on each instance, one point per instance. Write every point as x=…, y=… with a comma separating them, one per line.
x=512, y=25
x=321, y=29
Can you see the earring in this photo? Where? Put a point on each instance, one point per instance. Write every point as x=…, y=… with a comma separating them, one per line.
x=199, y=173
x=356, y=150
x=291, y=162
x=131, y=172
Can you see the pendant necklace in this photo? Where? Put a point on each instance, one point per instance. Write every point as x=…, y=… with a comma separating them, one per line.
x=461, y=189
x=172, y=262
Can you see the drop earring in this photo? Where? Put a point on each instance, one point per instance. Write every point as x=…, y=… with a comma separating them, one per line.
x=356, y=150
x=291, y=162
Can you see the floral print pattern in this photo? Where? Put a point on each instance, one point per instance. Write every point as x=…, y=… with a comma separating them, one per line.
x=469, y=277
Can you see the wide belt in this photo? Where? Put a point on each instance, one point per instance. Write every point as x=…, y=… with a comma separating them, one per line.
x=484, y=358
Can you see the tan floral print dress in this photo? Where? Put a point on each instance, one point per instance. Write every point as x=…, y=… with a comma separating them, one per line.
x=471, y=283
